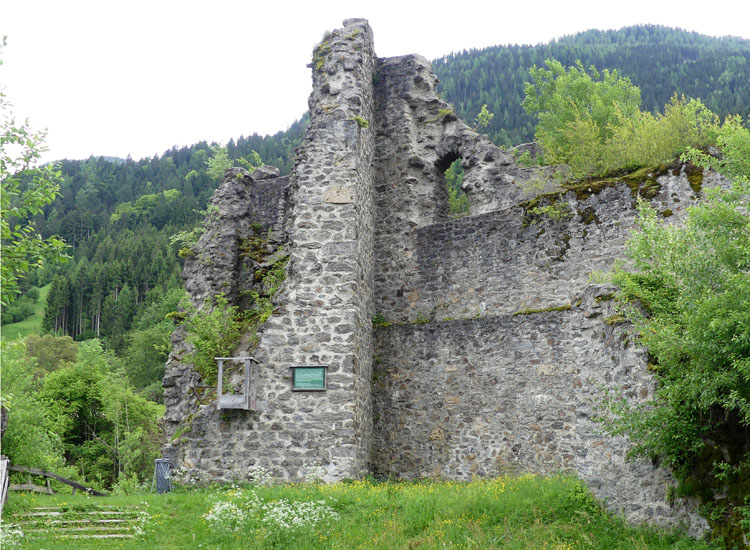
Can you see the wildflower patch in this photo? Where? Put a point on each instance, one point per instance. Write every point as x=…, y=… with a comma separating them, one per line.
x=244, y=510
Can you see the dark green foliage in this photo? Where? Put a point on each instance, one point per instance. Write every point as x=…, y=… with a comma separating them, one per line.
x=661, y=61
x=31, y=437
x=78, y=417
x=216, y=328
x=378, y=320
x=19, y=309
x=148, y=344
x=106, y=429
x=214, y=331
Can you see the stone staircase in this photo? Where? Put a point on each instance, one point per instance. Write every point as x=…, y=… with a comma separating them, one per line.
x=91, y=522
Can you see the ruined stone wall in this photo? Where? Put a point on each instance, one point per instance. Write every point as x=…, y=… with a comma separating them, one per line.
x=469, y=380
x=462, y=386
x=507, y=260
x=513, y=394
x=215, y=266
x=418, y=136
x=324, y=308
x=457, y=385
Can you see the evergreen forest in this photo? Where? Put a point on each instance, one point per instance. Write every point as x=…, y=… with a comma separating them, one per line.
x=661, y=61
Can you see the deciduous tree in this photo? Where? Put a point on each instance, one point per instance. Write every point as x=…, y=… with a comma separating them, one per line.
x=26, y=190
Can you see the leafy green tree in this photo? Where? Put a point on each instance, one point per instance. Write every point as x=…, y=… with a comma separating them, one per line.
x=218, y=163
x=733, y=139
x=483, y=119
x=149, y=344
x=26, y=190
x=659, y=60
x=593, y=123
x=687, y=291
x=647, y=140
x=32, y=437
x=106, y=429
x=252, y=162
x=50, y=352
x=577, y=110
x=134, y=425
x=21, y=308
x=458, y=202
x=214, y=331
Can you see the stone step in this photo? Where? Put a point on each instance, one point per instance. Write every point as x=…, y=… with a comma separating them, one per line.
x=97, y=522
x=110, y=529
x=73, y=521
x=72, y=512
x=109, y=536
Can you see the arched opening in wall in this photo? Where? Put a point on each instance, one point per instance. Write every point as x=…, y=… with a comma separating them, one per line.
x=458, y=202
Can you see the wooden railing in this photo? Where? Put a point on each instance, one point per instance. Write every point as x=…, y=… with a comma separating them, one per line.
x=36, y=472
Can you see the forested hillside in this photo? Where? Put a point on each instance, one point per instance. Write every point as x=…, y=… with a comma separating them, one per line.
x=118, y=217
x=659, y=60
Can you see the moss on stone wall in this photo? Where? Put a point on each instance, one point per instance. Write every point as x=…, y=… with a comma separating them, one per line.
x=319, y=55
x=565, y=307
x=695, y=177
x=642, y=182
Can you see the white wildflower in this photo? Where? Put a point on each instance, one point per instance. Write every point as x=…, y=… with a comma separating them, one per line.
x=10, y=535
x=141, y=521
x=244, y=507
x=226, y=516
x=258, y=475
x=314, y=474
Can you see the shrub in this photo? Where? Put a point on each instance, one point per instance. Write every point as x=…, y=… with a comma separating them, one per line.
x=687, y=291
x=214, y=331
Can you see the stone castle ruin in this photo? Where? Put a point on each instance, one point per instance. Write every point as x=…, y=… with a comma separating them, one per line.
x=491, y=347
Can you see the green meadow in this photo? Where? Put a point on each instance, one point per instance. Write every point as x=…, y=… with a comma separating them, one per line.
x=524, y=512
x=32, y=325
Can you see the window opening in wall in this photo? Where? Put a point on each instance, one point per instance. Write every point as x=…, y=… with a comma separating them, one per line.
x=457, y=199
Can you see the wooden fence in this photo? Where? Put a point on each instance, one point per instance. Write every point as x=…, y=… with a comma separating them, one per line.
x=36, y=472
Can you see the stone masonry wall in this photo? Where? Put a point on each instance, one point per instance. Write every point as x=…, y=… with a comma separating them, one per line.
x=467, y=380
x=503, y=261
x=418, y=136
x=461, y=385
x=514, y=394
x=324, y=307
x=215, y=266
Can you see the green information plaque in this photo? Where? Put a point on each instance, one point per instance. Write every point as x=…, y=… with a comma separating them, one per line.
x=309, y=378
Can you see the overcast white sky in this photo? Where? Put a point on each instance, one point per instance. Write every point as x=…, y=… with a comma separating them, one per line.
x=109, y=77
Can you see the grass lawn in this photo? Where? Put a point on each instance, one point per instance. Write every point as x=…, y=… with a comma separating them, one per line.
x=32, y=325
x=527, y=512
